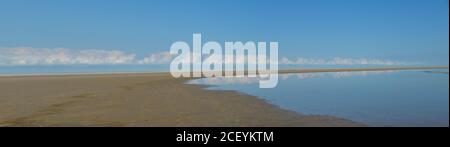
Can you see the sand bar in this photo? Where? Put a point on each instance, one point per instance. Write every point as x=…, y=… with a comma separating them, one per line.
x=144, y=99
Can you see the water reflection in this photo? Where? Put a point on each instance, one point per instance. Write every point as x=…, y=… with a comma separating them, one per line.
x=224, y=81
x=254, y=80
x=376, y=98
x=336, y=75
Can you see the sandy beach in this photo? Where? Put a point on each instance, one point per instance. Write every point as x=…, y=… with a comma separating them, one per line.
x=144, y=99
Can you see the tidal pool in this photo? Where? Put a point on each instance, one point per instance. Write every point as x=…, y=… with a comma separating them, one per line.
x=375, y=98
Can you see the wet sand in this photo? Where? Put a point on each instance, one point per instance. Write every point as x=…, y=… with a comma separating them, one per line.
x=150, y=99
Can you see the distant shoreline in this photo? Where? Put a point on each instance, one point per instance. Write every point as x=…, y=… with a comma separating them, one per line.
x=281, y=71
x=311, y=70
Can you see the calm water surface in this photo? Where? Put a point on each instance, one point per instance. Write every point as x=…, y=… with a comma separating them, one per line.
x=388, y=98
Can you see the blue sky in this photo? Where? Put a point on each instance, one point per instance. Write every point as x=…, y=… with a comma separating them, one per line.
x=409, y=31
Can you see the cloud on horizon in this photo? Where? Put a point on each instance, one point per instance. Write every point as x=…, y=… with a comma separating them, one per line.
x=25, y=56
x=21, y=56
x=338, y=61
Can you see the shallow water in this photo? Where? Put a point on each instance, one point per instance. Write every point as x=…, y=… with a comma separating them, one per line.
x=388, y=98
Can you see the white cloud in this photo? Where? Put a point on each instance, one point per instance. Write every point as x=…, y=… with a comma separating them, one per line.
x=157, y=58
x=62, y=56
x=338, y=61
x=18, y=56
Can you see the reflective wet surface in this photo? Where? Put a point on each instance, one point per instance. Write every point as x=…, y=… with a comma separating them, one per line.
x=376, y=98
